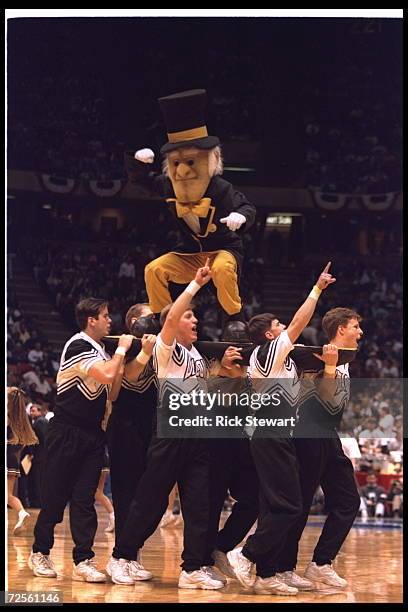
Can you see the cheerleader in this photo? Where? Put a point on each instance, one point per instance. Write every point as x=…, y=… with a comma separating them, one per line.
x=19, y=434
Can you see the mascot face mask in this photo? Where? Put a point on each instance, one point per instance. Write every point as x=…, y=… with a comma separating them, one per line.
x=190, y=170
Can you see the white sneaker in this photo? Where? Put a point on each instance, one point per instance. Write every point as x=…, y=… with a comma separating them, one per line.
x=19, y=526
x=168, y=519
x=86, y=571
x=111, y=525
x=221, y=561
x=138, y=572
x=119, y=571
x=242, y=567
x=211, y=571
x=294, y=580
x=325, y=574
x=41, y=565
x=199, y=579
x=273, y=586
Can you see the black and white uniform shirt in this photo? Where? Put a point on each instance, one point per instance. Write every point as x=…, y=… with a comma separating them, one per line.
x=137, y=400
x=321, y=416
x=180, y=370
x=81, y=399
x=186, y=367
x=273, y=373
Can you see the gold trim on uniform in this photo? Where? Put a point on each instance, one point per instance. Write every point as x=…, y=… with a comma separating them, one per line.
x=211, y=227
x=199, y=132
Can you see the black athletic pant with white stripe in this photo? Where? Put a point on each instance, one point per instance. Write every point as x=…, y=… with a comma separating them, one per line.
x=170, y=461
x=231, y=469
x=322, y=461
x=128, y=443
x=280, y=501
x=72, y=466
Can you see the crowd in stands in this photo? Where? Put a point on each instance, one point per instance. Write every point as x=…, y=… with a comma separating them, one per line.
x=77, y=125
x=353, y=138
x=31, y=364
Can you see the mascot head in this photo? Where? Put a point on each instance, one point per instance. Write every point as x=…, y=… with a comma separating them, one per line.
x=191, y=156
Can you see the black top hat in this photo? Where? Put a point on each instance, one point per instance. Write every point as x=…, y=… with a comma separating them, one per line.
x=184, y=118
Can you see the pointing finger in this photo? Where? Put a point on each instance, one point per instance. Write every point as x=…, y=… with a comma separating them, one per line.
x=327, y=267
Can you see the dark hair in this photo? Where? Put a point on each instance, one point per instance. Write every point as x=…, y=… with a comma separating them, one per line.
x=165, y=312
x=336, y=317
x=90, y=307
x=258, y=325
x=134, y=312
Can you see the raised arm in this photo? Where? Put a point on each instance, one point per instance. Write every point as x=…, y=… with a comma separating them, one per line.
x=169, y=330
x=305, y=312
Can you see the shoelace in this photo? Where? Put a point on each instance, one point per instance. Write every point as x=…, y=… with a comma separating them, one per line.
x=45, y=562
x=91, y=564
x=137, y=565
x=125, y=567
x=246, y=567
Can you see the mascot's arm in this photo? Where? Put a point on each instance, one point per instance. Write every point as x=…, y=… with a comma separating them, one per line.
x=241, y=205
x=139, y=172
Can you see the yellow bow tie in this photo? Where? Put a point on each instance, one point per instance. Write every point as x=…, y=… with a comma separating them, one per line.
x=200, y=208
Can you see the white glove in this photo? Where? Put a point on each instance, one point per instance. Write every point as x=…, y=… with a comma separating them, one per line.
x=233, y=221
x=145, y=155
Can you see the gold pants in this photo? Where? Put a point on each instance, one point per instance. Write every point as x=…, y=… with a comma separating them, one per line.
x=180, y=268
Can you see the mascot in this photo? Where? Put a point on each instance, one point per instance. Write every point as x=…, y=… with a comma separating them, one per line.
x=210, y=214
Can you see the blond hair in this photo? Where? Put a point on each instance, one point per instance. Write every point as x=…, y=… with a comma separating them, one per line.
x=17, y=419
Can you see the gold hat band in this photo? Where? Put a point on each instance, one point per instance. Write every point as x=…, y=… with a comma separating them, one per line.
x=199, y=132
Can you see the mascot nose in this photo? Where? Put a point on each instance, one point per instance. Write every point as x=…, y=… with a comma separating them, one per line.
x=184, y=171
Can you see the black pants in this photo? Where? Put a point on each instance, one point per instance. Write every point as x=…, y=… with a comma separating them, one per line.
x=127, y=444
x=231, y=469
x=35, y=481
x=322, y=461
x=180, y=461
x=280, y=501
x=73, y=462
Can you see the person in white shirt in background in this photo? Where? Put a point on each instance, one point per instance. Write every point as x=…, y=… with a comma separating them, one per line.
x=386, y=421
x=372, y=435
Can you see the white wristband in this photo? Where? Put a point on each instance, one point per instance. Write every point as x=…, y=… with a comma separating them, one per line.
x=330, y=369
x=120, y=351
x=193, y=288
x=142, y=357
x=315, y=293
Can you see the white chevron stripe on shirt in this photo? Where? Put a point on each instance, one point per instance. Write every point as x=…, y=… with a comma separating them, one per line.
x=82, y=356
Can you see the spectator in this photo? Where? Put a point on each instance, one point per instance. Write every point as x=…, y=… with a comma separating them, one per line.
x=372, y=434
x=126, y=275
x=44, y=388
x=386, y=421
x=35, y=355
x=374, y=497
x=395, y=496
